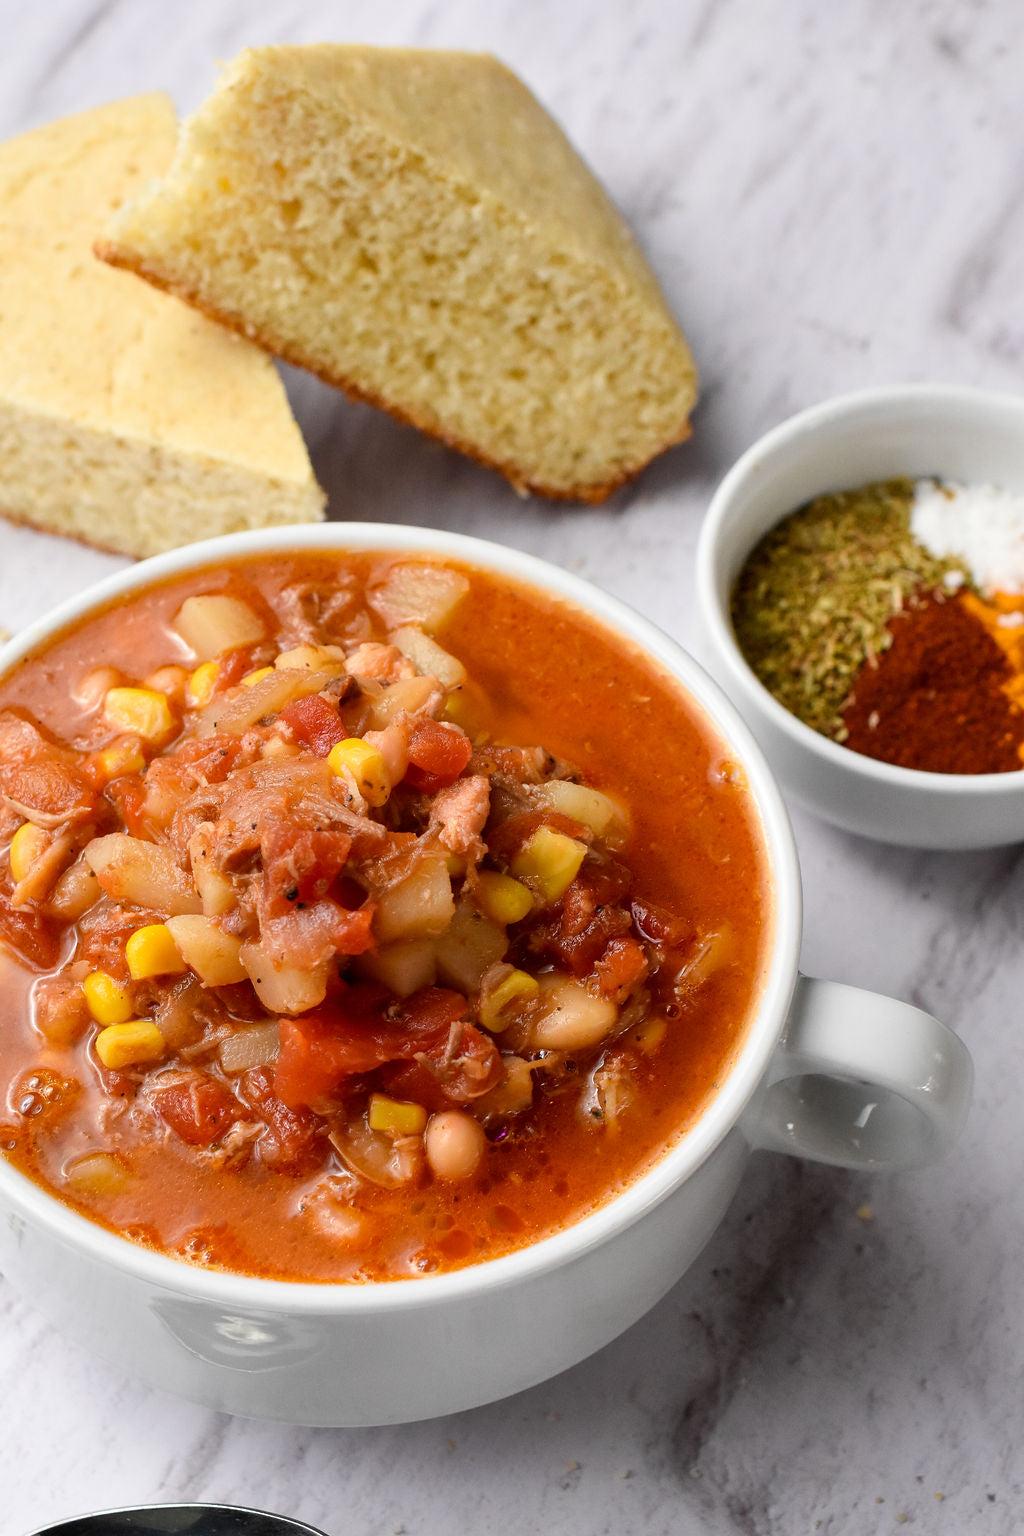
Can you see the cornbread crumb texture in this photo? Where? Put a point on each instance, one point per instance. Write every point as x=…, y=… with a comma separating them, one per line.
x=126, y=419
x=414, y=227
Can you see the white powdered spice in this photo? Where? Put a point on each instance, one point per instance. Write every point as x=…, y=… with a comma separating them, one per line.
x=979, y=524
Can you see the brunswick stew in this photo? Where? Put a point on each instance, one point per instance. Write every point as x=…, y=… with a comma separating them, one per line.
x=361, y=917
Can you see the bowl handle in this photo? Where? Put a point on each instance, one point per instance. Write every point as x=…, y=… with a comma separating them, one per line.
x=862, y=1081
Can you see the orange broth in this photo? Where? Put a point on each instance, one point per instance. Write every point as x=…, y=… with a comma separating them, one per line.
x=541, y=672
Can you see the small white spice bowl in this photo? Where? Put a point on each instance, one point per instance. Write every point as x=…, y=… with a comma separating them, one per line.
x=968, y=435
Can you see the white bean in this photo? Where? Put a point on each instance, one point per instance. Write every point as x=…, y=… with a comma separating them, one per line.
x=570, y=1018
x=454, y=1144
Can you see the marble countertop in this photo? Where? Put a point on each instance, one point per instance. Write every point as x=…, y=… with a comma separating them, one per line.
x=831, y=196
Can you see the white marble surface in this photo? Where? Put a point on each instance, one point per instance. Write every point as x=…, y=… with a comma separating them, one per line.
x=832, y=197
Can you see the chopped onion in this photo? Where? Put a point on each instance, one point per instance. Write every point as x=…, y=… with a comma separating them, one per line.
x=251, y=1045
x=237, y=709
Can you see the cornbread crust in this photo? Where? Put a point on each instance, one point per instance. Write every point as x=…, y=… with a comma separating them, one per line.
x=126, y=420
x=414, y=228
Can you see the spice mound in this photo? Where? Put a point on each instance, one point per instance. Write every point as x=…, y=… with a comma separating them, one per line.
x=890, y=618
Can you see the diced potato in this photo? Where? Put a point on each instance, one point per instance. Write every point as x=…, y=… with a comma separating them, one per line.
x=428, y=657
x=549, y=862
x=283, y=989
x=470, y=945
x=570, y=1017
x=131, y=869
x=596, y=810
x=216, y=893
x=151, y=951
x=97, y=1173
x=207, y=949
x=213, y=623
x=403, y=968
x=418, y=594
x=397, y=1117
x=420, y=907
x=251, y=1045
x=408, y=693
x=136, y=1043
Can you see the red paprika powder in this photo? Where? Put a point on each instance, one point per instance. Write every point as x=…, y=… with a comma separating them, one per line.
x=935, y=698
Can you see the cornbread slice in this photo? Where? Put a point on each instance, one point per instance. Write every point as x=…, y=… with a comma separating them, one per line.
x=412, y=226
x=126, y=419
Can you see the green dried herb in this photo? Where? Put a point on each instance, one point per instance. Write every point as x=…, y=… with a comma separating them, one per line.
x=814, y=599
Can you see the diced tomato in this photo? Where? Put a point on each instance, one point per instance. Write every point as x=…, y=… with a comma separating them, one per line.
x=315, y=723
x=311, y=935
x=438, y=753
x=299, y=865
x=294, y=1141
x=28, y=933
x=622, y=967
x=586, y=918
x=35, y=771
x=413, y=1080
x=321, y=1049
x=197, y=1108
x=127, y=795
x=659, y=926
x=232, y=668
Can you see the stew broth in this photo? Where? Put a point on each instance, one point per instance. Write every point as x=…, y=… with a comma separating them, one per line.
x=660, y=934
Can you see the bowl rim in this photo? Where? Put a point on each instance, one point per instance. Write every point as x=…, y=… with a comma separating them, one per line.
x=621, y=1210
x=787, y=438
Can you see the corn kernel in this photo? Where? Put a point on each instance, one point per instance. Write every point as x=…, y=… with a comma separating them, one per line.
x=398, y=1116
x=199, y=690
x=107, y=1000
x=28, y=844
x=124, y=756
x=503, y=899
x=252, y=678
x=549, y=862
x=130, y=1044
x=517, y=985
x=365, y=764
x=151, y=951
x=143, y=711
